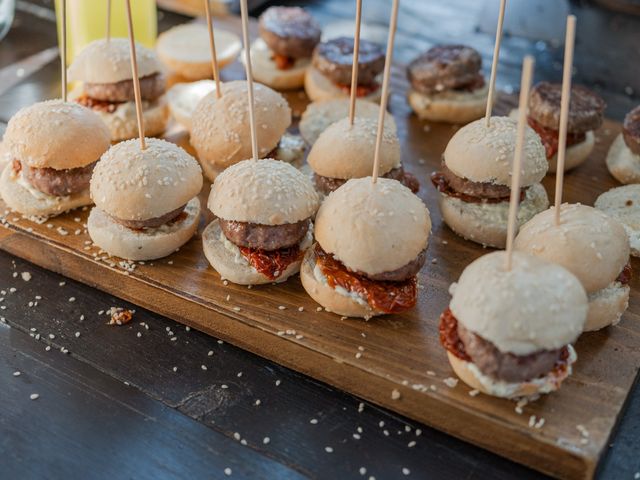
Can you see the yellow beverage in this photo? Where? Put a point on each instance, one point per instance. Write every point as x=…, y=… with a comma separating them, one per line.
x=87, y=21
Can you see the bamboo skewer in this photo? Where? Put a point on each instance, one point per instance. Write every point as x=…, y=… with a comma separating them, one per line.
x=247, y=57
x=354, y=68
x=136, y=79
x=63, y=50
x=108, y=35
x=494, y=63
x=212, y=45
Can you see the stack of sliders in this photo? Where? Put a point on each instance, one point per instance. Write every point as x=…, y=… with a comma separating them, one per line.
x=623, y=159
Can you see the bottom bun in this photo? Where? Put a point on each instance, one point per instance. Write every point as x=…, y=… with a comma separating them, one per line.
x=265, y=70
x=449, y=106
x=149, y=244
x=226, y=259
x=606, y=306
x=486, y=223
x=319, y=87
x=470, y=374
x=623, y=164
x=25, y=199
x=623, y=204
x=575, y=154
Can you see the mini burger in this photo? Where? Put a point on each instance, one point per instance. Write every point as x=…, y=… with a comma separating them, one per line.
x=221, y=135
x=281, y=55
x=475, y=178
x=585, y=115
x=104, y=68
x=623, y=159
x=508, y=333
x=329, y=76
x=623, y=204
x=53, y=147
x=447, y=84
x=346, y=151
x=371, y=243
x=263, y=226
x=592, y=246
x=146, y=200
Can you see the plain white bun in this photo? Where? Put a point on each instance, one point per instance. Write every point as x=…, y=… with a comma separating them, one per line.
x=185, y=50
x=183, y=98
x=606, y=306
x=138, y=245
x=265, y=70
x=536, y=305
x=56, y=134
x=449, y=106
x=267, y=192
x=484, y=154
x=623, y=164
x=486, y=223
x=347, y=151
x=133, y=184
x=623, y=204
x=103, y=61
x=319, y=87
x=373, y=227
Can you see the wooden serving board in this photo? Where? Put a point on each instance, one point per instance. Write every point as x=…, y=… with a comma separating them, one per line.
x=394, y=361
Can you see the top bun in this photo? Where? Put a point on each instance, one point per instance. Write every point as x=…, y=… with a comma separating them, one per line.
x=347, y=151
x=220, y=130
x=109, y=61
x=588, y=243
x=537, y=305
x=56, y=134
x=268, y=192
x=133, y=184
x=373, y=227
x=482, y=154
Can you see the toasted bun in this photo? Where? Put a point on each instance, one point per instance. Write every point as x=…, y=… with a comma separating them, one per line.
x=575, y=154
x=232, y=266
x=486, y=223
x=623, y=164
x=104, y=61
x=606, y=306
x=23, y=198
x=347, y=151
x=56, y=134
x=268, y=192
x=183, y=98
x=221, y=134
x=373, y=228
x=184, y=49
x=588, y=243
x=133, y=184
x=482, y=154
x=137, y=245
x=123, y=122
x=319, y=87
x=449, y=106
x=329, y=297
x=265, y=71
x=500, y=305
x=623, y=204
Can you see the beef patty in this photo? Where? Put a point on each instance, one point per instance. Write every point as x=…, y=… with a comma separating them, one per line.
x=474, y=189
x=289, y=31
x=264, y=237
x=151, y=87
x=631, y=130
x=334, y=59
x=155, y=222
x=326, y=185
x=57, y=183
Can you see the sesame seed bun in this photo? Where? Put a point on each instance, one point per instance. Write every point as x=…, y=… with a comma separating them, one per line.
x=265, y=70
x=482, y=154
x=347, y=151
x=449, y=106
x=319, y=87
x=623, y=204
x=56, y=134
x=109, y=61
x=133, y=184
x=622, y=163
x=220, y=130
x=606, y=306
x=267, y=192
x=373, y=228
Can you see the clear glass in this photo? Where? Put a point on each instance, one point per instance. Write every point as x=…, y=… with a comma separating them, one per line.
x=7, y=10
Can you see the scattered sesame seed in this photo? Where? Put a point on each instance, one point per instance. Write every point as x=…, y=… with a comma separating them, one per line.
x=450, y=382
x=175, y=369
x=363, y=471
x=282, y=307
x=72, y=299
x=405, y=471
x=474, y=392
x=77, y=334
x=203, y=367
x=26, y=276
x=227, y=471
x=210, y=354
x=313, y=421
x=395, y=394
x=266, y=440
x=16, y=373
x=34, y=396
x=328, y=449
x=277, y=383
x=411, y=444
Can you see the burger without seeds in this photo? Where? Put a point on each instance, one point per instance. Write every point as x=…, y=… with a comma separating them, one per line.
x=623, y=159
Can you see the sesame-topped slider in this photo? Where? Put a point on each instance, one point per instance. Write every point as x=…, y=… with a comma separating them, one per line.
x=263, y=225
x=146, y=200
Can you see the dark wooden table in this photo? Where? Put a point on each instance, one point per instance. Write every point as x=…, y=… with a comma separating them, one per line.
x=154, y=400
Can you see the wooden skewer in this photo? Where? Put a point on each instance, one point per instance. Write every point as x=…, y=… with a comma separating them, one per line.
x=494, y=63
x=525, y=86
x=385, y=88
x=136, y=79
x=354, y=68
x=247, y=61
x=564, y=110
x=63, y=50
x=108, y=35
x=212, y=45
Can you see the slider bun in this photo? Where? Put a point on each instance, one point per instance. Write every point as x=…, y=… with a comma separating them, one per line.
x=623, y=204
x=606, y=306
x=224, y=261
x=623, y=164
x=19, y=198
x=133, y=184
x=104, y=61
x=449, y=106
x=319, y=115
x=347, y=151
x=575, y=154
x=265, y=71
x=319, y=87
x=267, y=192
x=482, y=154
x=588, y=243
x=220, y=130
x=373, y=228
x=486, y=223
x=184, y=49
x=183, y=98
x=536, y=305
x=56, y=134
x=120, y=241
